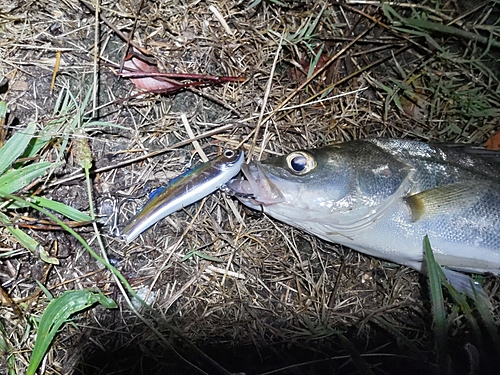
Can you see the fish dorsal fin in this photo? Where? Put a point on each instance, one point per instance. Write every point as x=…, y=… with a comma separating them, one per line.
x=442, y=199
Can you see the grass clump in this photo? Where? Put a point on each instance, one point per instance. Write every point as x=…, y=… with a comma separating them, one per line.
x=17, y=173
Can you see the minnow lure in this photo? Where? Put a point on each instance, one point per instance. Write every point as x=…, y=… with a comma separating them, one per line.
x=184, y=190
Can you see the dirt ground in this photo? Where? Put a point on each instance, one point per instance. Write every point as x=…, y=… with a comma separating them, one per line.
x=233, y=291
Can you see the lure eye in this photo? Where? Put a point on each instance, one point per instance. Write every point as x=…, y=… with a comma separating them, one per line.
x=229, y=154
x=230, y=157
x=300, y=162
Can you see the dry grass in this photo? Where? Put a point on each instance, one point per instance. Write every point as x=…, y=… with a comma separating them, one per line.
x=279, y=300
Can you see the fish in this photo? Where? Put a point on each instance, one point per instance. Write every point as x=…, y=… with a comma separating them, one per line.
x=381, y=197
x=184, y=190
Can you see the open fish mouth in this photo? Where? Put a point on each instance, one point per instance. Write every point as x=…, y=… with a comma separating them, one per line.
x=254, y=186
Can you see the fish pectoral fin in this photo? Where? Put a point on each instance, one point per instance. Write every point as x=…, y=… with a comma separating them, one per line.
x=466, y=285
x=443, y=199
x=467, y=263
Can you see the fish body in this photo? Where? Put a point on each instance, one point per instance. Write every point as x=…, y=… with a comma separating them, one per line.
x=382, y=196
x=184, y=190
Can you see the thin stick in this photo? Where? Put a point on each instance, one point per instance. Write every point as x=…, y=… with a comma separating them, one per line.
x=130, y=36
x=318, y=72
x=221, y=19
x=115, y=30
x=196, y=144
x=150, y=155
x=95, y=87
x=264, y=102
x=56, y=69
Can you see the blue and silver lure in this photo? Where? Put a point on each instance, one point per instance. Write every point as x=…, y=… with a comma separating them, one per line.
x=184, y=190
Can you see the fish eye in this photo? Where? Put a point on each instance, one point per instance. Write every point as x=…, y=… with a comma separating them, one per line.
x=300, y=162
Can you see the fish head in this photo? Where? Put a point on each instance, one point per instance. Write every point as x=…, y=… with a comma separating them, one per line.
x=303, y=185
x=345, y=186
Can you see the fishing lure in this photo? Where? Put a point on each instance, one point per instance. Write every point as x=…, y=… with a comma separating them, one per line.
x=184, y=190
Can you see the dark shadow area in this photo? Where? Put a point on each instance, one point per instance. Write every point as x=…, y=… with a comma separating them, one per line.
x=337, y=354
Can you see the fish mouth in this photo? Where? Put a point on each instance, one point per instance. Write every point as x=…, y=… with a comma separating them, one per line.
x=254, y=187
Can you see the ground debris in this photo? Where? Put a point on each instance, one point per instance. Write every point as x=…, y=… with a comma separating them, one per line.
x=276, y=300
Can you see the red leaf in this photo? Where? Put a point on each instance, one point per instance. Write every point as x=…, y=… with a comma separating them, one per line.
x=493, y=143
x=146, y=76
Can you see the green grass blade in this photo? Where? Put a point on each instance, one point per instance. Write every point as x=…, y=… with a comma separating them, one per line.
x=200, y=255
x=489, y=321
x=42, y=138
x=310, y=29
x=25, y=240
x=315, y=61
x=59, y=102
x=82, y=106
x=437, y=299
x=461, y=300
x=63, y=209
x=15, y=146
x=79, y=238
x=56, y=314
x=15, y=179
x=390, y=13
x=445, y=29
x=46, y=257
x=104, y=123
x=252, y=5
x=438, y=312
x=5, y=348
x=45, y=290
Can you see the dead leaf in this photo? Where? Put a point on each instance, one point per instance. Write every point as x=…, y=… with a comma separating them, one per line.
x=299, y=72
x=144, y=73
x=493, y=143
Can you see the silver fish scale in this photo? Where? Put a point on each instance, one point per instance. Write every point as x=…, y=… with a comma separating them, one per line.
x=442, y=163
x=476, y=225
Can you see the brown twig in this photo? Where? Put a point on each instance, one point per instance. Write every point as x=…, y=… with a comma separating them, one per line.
x=317, y=73
x=115, y=30
x=144, y=157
